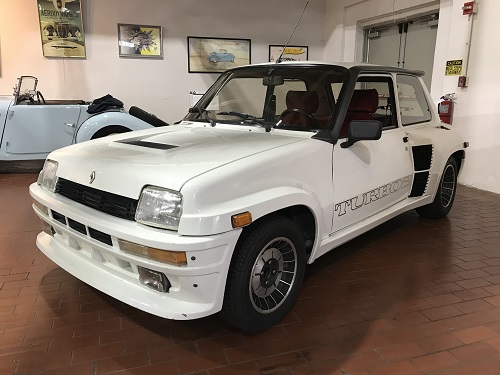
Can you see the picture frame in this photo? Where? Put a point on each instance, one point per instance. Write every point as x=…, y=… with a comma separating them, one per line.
x=292, y=53
x=61, y=28
x=215, y=55
x=140, y=41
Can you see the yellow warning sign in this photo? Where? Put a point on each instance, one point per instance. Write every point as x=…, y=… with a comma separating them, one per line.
x=453, y=68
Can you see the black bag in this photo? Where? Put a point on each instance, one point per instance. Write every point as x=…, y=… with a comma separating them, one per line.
x=104, y=103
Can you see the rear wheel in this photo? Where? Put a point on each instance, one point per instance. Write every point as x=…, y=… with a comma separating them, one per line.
x=441, y=205
x=265, y=275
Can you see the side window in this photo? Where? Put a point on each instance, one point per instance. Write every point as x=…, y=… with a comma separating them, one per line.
x=385, y=92
x=412, y=102
x=372, y=99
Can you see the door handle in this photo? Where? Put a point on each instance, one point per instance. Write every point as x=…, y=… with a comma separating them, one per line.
x=405, y=139
x=71, y=125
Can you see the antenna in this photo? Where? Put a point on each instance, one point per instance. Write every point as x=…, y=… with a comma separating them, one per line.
x=278, y=60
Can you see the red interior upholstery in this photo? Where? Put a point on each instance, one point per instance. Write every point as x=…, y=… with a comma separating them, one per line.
x=363, y=104
x=307, y=101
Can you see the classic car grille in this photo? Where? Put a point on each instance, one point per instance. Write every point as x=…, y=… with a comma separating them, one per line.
x=111, y=204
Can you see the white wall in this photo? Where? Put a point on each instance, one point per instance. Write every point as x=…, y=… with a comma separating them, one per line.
x=477, y=110
x=331, y=28
x=158, y=86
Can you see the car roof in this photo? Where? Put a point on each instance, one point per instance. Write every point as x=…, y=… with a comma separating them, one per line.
x=353, y=66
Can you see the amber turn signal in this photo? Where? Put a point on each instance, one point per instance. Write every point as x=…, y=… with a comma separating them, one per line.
x=240, y=220
x=177, y=258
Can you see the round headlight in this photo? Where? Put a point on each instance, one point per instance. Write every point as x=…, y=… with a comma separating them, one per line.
x=47, y=177
x=159, y=207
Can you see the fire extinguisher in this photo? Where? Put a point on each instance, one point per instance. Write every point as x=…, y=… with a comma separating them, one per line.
x=445, y=107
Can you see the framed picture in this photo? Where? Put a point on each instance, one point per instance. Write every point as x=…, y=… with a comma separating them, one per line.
x=61, y=28
x=140, y=41
x=215, y=55
x=292, y=53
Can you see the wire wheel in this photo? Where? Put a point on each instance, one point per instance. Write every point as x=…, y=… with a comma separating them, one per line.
x=273, y=275
x=448, y=185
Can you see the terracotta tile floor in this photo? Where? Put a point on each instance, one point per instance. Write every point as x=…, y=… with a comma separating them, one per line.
x=413, y=296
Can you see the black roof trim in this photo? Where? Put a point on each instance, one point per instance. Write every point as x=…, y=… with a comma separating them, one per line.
x=357, y=69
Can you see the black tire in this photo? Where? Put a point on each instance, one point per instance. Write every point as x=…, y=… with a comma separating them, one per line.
x=265, y=275
x=441, y=205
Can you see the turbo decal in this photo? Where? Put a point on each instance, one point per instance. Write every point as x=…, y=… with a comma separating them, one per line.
x=371, y=196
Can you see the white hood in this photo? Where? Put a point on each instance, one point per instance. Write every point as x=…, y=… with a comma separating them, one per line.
x=166, y=157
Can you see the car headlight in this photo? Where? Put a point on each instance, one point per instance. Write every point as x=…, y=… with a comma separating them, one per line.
x=47, y=177
x=158, y=207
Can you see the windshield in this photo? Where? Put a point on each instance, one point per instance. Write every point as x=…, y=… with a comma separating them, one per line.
x=300, y=97
x=27, y=85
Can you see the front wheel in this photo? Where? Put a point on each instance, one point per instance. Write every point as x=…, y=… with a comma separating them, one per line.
x=441, y=205
x=265, y=275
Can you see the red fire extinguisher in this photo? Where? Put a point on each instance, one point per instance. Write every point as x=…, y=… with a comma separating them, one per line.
x=445, y=108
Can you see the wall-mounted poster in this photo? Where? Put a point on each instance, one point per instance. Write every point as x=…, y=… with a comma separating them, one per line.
x=61, y=28
x=139, y=41
x=292, y=53
x=214, y=55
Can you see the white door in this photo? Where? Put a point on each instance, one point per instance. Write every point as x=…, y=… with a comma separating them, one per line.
x=370, y=176
x=40, y=129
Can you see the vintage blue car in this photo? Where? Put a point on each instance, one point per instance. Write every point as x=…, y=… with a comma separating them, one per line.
x=220, y=55
x=31, y=127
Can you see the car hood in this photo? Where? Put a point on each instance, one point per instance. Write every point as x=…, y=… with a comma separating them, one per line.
x=166, y=157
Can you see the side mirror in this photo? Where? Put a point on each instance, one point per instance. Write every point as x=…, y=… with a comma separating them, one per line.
x=362, y=130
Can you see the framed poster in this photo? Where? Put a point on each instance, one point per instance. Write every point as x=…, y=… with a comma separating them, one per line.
x=292, y=53
x=61, y=28
x=215, y=55
x=140, y=41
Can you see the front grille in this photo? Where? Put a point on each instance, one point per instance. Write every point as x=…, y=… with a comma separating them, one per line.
x=111, y=204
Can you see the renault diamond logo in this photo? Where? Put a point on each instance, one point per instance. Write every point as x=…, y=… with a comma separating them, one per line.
x=92, y=176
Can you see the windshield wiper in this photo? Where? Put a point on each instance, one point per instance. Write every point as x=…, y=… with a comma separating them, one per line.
x=204, y=113
x=246, y=117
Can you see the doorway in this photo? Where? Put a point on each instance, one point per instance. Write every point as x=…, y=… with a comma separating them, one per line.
x=408, y=44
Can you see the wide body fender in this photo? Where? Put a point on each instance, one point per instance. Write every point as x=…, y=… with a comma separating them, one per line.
x=298, y=174
x=107, y=119
x=445, y=140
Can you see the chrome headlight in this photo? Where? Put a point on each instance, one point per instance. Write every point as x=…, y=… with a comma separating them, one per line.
x=158, y=207
x=47, y=177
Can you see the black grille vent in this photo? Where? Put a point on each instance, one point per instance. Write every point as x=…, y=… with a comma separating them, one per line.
x=111, y=204
x=79, y=227
x=100, y=236
x=57, y=216
x=422, y=157
x=419, y=184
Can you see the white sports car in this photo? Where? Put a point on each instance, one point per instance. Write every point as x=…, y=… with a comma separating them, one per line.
x=276, y=165
x=31, y=127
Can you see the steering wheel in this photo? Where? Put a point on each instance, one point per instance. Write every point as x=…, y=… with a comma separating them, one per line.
x=302, y=113
x=40, y=97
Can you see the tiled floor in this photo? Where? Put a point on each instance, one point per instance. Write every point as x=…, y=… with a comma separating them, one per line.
x=413, y=296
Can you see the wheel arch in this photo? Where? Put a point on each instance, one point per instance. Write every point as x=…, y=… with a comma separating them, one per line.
x=301, y=215
x=108, y=130
x=98, y=122
x=459, y=157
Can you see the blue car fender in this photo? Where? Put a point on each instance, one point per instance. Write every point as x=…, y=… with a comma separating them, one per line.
x=106, y=123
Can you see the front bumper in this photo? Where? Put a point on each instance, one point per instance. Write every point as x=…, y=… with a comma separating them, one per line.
x=196, y=290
